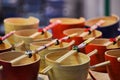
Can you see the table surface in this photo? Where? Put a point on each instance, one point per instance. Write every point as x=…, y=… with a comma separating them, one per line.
x=97, y=76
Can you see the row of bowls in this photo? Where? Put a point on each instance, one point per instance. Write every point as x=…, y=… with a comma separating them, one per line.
x=70, y=68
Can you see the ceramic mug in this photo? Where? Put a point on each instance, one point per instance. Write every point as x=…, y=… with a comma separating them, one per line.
x=66, y=23
x=24, y=35
x=25, y=69
x=99, y=57
x=113, y=68
x=53, y=48
x=19, y=23
x=109, y=28
x=72, y=68
x=78, y=39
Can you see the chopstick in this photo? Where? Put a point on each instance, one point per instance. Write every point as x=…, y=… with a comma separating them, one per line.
x=92, y=28
x=102, y=64
x=6, y=36
x=43, y=31
x=111, y=42
x=42, y=47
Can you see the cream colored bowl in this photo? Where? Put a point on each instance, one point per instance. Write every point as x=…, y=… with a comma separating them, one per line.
x=53, y=48
x=19, y=23
x=75, y=67
x=24, y=35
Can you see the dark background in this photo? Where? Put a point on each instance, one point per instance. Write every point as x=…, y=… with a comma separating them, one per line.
x=46, y=9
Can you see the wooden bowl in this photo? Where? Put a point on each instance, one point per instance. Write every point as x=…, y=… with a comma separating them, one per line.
x=53, y=48
x=75, y=67
x=23, y=35
x=19, y=23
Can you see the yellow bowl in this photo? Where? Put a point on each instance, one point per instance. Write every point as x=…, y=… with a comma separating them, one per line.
x=53, y=48
x=18, y=23
x=75, y=67
x=23, y=35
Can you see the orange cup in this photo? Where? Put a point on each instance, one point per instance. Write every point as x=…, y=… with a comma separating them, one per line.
x=99, y=57
x=67, y=23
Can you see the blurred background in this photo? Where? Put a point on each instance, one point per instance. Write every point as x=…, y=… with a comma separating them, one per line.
x=46, y=9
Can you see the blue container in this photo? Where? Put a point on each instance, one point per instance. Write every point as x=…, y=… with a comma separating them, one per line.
x=108, y=30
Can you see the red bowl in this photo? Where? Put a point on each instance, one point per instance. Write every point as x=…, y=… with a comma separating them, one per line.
x=67, y=23
x=113, y=68
x=25, y=69
x=99, y=57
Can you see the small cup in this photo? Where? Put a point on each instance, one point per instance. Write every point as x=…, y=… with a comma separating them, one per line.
x=18, y=23
x=24, y=35
x=79, y=39
x=99, y=57
x=113, y=68
x=72, y=68
x=25, y=69
x=5, y=46
x=66, y=23
x=53, y=48
x=109, y=28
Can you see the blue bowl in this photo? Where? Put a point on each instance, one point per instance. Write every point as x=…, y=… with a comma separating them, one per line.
x=109, y=29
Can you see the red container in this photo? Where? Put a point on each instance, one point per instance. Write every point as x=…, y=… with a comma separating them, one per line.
x=67, y=23
x=79, y=39
x=113, y=68
x=25, y=69
x=99, y=57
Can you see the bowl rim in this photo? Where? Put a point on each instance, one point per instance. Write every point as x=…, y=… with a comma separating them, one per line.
x=79, y=20
x=6, y=21
x=80, y=53
x=117, y=17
